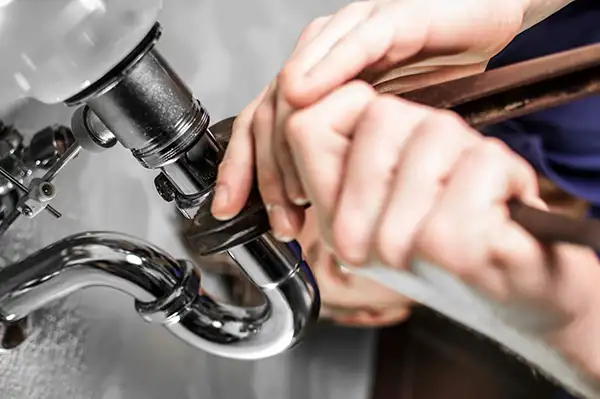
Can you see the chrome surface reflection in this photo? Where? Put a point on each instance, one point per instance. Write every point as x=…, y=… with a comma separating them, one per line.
x=168, y=291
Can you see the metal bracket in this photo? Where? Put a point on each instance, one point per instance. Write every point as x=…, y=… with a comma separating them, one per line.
x=40, y=193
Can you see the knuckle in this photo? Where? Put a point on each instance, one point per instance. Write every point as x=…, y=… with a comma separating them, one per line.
x=528, y=172
x=364, y=89
x=431, y=238
x=360, y=89
x=524, y=167
x=437, y=241
x=381, y=107
x=445, y=118
x=491, y=155
x=493, y=150
x=496, y=156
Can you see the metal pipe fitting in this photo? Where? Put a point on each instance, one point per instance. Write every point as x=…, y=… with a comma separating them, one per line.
x=147, y=107
x=168, y=292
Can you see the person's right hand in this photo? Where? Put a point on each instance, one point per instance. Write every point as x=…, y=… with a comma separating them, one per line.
x=432, y=40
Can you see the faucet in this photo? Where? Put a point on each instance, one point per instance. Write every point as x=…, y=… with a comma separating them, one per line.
x=142, y=104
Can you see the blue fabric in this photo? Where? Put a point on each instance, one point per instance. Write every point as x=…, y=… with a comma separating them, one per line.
x=562, y=143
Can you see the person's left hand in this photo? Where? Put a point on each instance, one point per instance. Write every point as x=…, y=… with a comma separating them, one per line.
x=348, y=299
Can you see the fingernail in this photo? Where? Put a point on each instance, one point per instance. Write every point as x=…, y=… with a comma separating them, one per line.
x=280, y=221
x=220, y=199
x=300, y=201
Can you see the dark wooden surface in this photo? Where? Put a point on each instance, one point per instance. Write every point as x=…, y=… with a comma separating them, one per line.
x=430, y=357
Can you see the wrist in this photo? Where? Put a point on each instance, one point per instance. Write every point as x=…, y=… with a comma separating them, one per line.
x=579, y=340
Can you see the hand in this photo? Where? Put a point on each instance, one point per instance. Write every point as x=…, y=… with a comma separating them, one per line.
x=433, y=40
x=390, y=180
x=347, y=299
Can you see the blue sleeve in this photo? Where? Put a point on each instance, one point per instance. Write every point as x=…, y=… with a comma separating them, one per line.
x=562, y=143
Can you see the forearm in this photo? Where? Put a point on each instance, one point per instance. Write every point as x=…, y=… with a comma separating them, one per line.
x=580, y=344
x=577, y=338
x=536, y=11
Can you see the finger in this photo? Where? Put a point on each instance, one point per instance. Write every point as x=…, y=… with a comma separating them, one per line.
x=376, y=38
x=356, y=292
x=370, y=317
x=522, y=259
x=438, y=141
x=283, y=155
x=315, y=253
x=236, y=171
x=501, y=175
x=316, y=39
x=310, y=32
x=314, y=42
x=320, y=136
x=284, y=217
x=575, y=276
x=337, y=27
x=385, y=126
x=459, y=233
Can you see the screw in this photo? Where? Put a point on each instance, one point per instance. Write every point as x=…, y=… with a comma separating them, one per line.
x=47, y=189
x=27, y=211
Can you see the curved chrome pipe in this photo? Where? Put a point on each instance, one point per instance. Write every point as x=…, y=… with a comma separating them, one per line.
x=167, y=291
